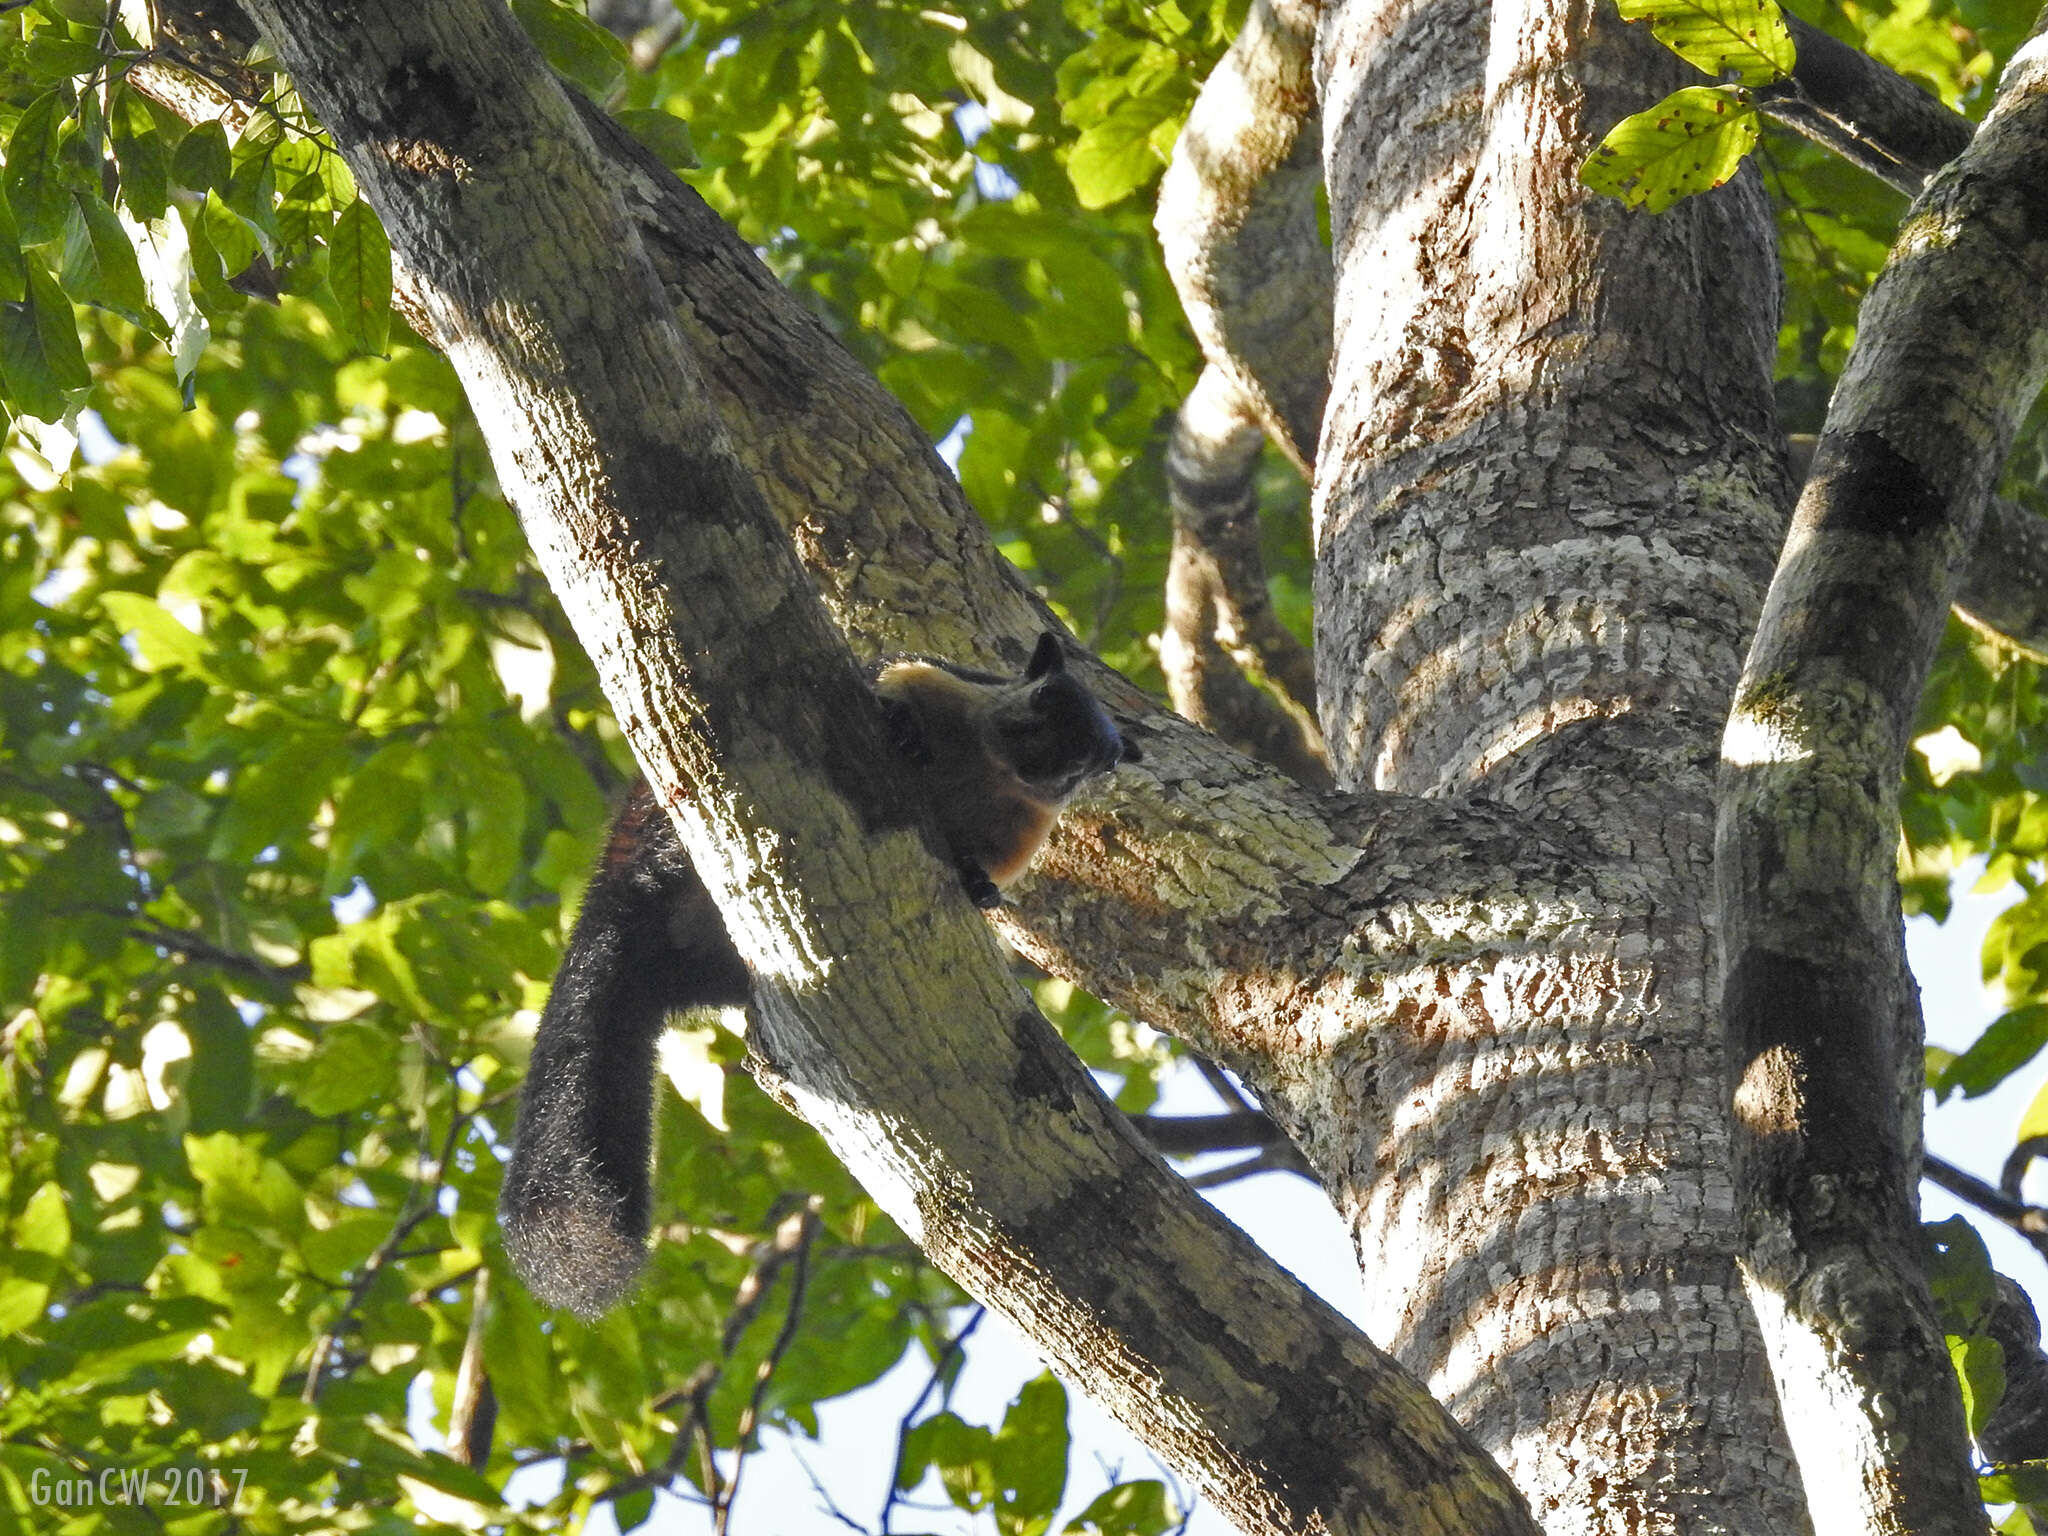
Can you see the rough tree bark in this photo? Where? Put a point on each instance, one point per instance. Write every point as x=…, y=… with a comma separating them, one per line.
x=1477, y=991
x=1547, y=501
x=1238, y=228
x=1823, y=1019
x=882, y=1012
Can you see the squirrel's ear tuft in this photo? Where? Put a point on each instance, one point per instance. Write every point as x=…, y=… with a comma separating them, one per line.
x=1048, y=658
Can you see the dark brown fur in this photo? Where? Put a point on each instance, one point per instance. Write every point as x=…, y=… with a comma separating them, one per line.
x=995, y=758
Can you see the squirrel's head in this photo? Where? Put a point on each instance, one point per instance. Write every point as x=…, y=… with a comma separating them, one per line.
x=1053, y=732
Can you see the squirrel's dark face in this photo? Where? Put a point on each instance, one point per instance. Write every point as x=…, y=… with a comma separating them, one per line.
x=1053, y=733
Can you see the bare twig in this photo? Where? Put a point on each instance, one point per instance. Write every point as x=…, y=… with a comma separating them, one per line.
x=825, y=1500
x=421, y=1202
x=790, y=1246
x=2017, y=1161
x=792, y=1239
x=1183, y=1135
x=1221, y=1084
x=940, y=1367
x=1275, y=1159
x=191, y=946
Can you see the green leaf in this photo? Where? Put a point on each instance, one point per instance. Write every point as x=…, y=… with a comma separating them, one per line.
x=943, y=1441
x=1029, y=1455
x=1958, y=1273
x=13, y=266
x=52, y=55
x=1690, y=142
x=161, y=642
x=44, y=1225
x=359, y=269
x=976, y=71
x=664, y=133
x=252, y=184
x=2035, y=1121
x=338, y=1250
x=39, y=352
x=2024, y=1482
x=1128, y=1509
x=242, y=1188
x=1116, y=156
x=227, y=235
x=355, y=1063
x=304, y=215
x=201, y=160
x=139, y=153
x=222, y=1084
x=2008, y=1043
x=35, y=190
x=99, y=260
x=1746, y=37
x=1980, y=1368
x=574, y=45
x=632, y=1511
x=22, y=1301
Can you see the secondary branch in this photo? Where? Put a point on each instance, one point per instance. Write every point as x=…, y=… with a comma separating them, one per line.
x=1008, y=1166
x=1952, y=347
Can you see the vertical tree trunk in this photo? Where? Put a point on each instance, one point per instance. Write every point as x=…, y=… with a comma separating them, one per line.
x=1549, y=494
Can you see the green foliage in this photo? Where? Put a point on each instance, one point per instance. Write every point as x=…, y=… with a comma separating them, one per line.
x=1743, y=39
x=2025, y=1487
x=304, y=771
x=1959, y=1274
x=1015, y=1473
x=955, y=248
x=1128, y=1509
x=574, y=46
x=1692, y=141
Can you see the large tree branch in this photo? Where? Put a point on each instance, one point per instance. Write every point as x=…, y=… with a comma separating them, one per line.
x=1845, y=100
x=1237, y=224
x=1173, y=893
x=1238, y=227
x=1952, y=347
x=871, y=970
x=1874, y=118
x=1221, y=630
x=2002, y=584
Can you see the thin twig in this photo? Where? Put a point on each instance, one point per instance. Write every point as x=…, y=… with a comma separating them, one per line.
x=190, y=946
x=794, y=1237
x=904, y=1425
x=422, y=1201
x=825, y=1500
x=2017, y=1161
x=1220, y=1083
x=790, y=1245
x=1275, y=1159
x=2030, y=1221
x=1184, y=1135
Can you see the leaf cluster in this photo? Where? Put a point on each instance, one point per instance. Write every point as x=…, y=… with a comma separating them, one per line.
x=301, y=771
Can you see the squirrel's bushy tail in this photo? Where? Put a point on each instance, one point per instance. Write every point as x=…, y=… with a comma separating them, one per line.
x=575, y=1202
